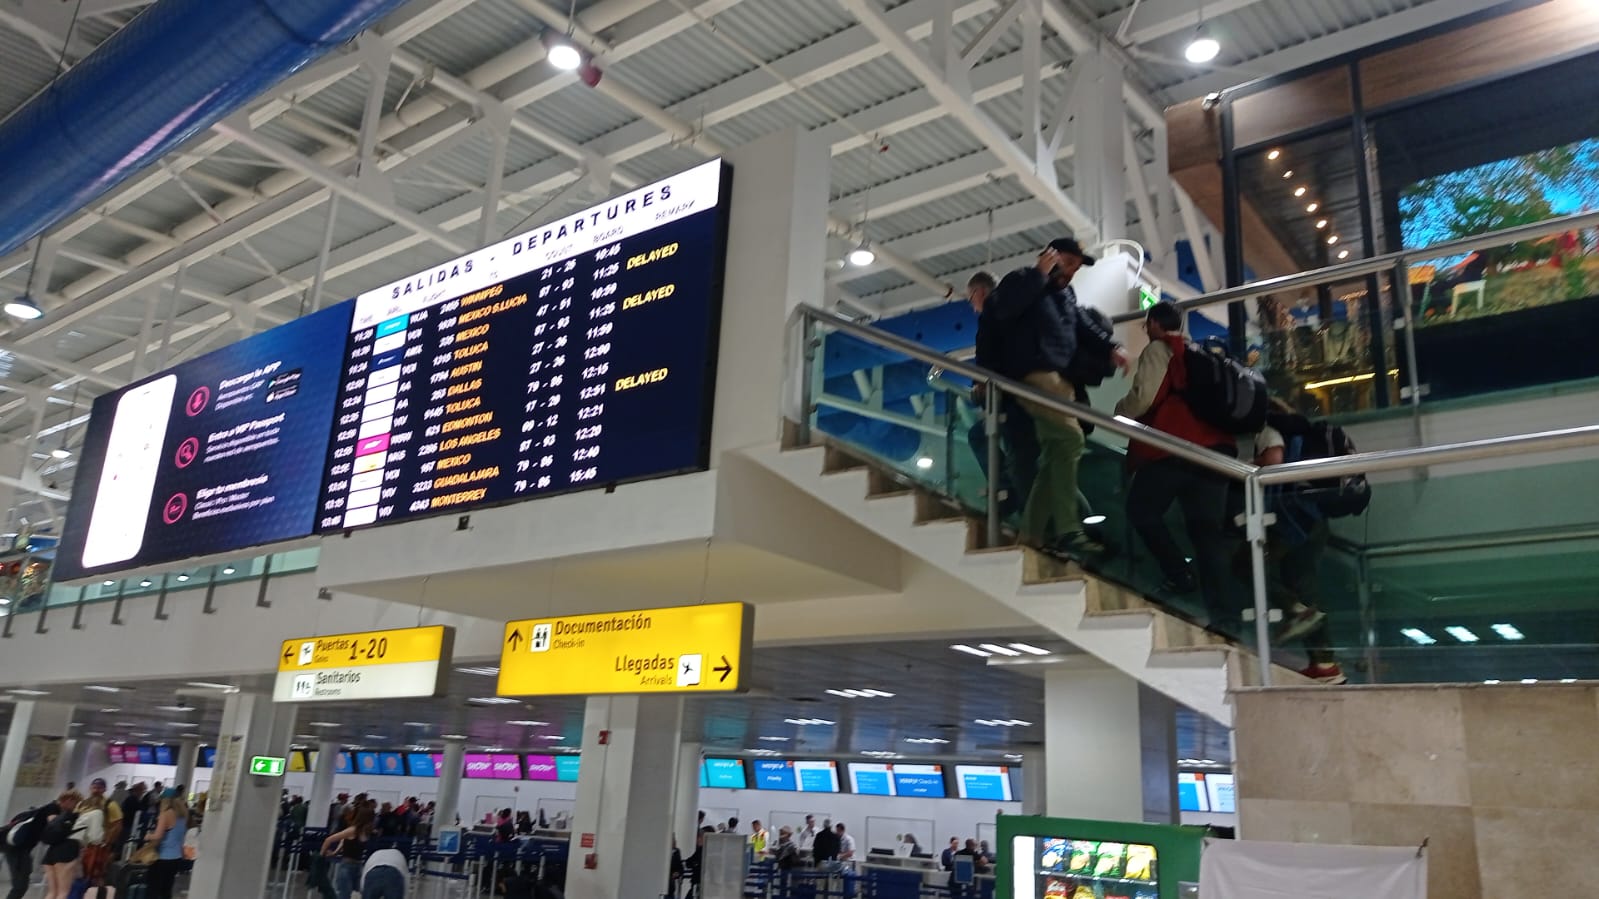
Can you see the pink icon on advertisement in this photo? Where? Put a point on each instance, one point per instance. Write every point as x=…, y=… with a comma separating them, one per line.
x=197, y=401
x=174, y=509
x=187, y=451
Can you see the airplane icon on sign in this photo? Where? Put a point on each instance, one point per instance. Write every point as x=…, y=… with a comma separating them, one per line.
x=688, y=674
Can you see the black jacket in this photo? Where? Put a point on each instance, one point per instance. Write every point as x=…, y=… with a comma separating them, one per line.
x=1034, y=328
x=825, y=848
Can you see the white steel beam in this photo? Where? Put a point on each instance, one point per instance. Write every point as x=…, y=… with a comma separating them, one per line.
x=960, y=105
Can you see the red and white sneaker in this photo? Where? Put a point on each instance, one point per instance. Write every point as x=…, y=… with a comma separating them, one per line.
x=1330, y=674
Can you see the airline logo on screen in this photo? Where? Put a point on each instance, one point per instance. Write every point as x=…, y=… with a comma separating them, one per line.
x=686, y=193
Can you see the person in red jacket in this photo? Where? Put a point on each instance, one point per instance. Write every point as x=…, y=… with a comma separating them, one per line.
x=1159, y=479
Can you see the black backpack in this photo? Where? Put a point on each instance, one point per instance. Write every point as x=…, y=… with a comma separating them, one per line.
x=1222, y=392
x=22, y=831
x=59, y=830
x=1303, y=439
x=1092, y=363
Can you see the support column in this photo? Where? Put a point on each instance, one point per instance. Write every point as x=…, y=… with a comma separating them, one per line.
x=1107, y=782
x=33, y=764
x=624, y=797
x=188, y=761
x=1099, y=183
x=1035, y=781
x=449, y=798
x=1157, y=722
x=686, y=804
x=242, y=811
x=321, y=797
x=83, y=756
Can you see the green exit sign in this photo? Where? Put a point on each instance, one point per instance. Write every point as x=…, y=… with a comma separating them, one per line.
x=1146, y=297
x=266, y=766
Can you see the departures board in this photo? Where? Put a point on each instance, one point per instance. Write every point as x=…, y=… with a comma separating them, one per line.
x=576, y=354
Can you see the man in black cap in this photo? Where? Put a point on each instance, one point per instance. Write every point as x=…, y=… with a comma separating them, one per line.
x=1036, y=309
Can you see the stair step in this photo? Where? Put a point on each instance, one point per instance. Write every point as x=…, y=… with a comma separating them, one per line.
x=791, y=439
x=1042, y=568
x=881, y=485
x=837, y=461
x=933, y=509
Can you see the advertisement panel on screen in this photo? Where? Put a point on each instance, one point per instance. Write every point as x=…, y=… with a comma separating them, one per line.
x=506, y=767
x=919, y=780
x=479, y=766
x=391, y=763
x=542, y=767
x=209, y=456
x=163, y=755
x=724, y=773
x=571, y=355
x=344, y=764
x=298, y=762
x=984, y=782
x=420, y=764
x=871, y=778
x=566, y=768
x=146, y=755
x=367, y=763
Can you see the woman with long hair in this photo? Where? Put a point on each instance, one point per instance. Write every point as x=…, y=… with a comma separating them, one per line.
x=350, y=846
x=171, y=826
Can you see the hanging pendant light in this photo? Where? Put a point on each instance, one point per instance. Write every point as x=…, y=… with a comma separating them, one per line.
x=1202, y=48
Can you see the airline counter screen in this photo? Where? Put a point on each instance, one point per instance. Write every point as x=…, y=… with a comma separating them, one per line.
x=576, y=354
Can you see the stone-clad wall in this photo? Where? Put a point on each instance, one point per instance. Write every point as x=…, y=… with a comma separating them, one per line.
x=1501, y=780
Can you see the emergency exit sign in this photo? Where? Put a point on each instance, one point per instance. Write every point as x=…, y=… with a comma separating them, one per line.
x=266, y=766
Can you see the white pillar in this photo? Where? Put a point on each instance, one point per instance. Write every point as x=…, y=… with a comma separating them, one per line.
x=83, y=756
x=242, y=809
x=1035, y=781
x=624, y=797
x=776, y=254
x=1100, y=779
x=322, y=783
x=449, y=798
x=33, y=764
x=188, y=760
x=686, y=804
x=1099, y=183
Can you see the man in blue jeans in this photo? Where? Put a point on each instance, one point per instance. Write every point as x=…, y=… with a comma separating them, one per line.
x=384, y=876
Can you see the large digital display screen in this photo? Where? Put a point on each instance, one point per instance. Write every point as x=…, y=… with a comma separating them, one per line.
x=146, y=755
x=1191, y=794
x=566, y=767
x=576, y=354
x=343, y=764
x=208, y=757
x=542, y=767
x=420, y=764
x=919, y=780
x=871, y=778
x=391, y=763
x=479, y=765
x=367, y=763
x=163, y=755
x=803, y=777
x=1222, y=796
x=507, y=767
x=984, y=782
x=724, y=773
x=208, y=456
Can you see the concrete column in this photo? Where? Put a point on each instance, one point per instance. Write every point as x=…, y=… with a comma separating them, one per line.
x=322, y=783
x=686, y=804
x=1157, y=722
x=449, y=799
x=188, y=761
x=1035, y=781
x=1091, y=722
x=624, y=804
x=242, y=811
x=83, y=756
x=776, y=254
x=33, y=764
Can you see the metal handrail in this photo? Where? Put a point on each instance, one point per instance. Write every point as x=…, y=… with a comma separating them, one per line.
x=1423, y=456
x=1383, y=263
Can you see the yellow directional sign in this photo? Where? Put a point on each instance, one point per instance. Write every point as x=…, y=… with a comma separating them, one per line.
x=686, y=649
x=402, y=662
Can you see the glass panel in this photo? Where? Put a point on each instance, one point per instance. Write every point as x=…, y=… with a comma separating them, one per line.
x=1300, y=205
x=1316, y=348
x=895, y=836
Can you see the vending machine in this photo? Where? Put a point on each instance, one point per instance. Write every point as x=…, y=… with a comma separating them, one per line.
x=1059, y=858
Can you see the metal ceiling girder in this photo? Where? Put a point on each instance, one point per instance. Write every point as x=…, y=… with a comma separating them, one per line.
x=956, y=98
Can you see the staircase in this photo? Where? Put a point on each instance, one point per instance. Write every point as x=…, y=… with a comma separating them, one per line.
x=1185, y=662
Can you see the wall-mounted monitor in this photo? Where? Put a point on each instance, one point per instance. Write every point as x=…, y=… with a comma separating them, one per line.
x=919, y=780
x=298, y=762
x=163, y=755
x=420, y=764
x=506, y=767
x=566, y=768
x=344, y=764
x=479, y=766
x=724, y=773
x=542, y=767
x=1191, y=793
x=871, y=778
x=367, y=763
x=208, y=757
x=989, y=782
x=208, y=456
x=391, y=763
x=571, y=355
x=1220, y=788
x=146, y=755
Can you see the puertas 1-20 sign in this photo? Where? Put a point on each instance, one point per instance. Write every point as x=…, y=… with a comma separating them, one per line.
x=389, y=664
x=684, y=649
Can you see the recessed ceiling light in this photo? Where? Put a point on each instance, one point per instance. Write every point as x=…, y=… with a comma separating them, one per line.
x=209, y=685
x=110, y=711
x=1094, y=519
x=305, y=736
x=138, y=733
x=75, y=724
x=1274, y=154
x=1529, y=680
x=145, y=582
x=1312, y=206
x=93, y=733
x=774, y=739
x=970, y=650
x=999, y=650
x=1300, y=191
x=1463, y=634
x=763, y=752
x=485, y=670
x=1030, y=649
x=182, y=578
x=23, y=692
x=424, y=724
x=924, y=462
x=1491, y=682
x=455, y=736
x=102, y=688
x=376, y=737
x=1288, y=173
x=493, y=700
x=1343, y=254
x=1568, y=680
x=529, y=723
x=1320, y=224
x=183, y=724
x=1417, y=635
x=107, y=583
x=554, y=738
x=1332, y=239
x=927, y=741
x=229, y=570
x=809, y=722
x=323, y=724
x=1508, y=632
x=175, y=708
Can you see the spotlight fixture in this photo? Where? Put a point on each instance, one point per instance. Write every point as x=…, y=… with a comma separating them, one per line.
x=61, y=452
x=1288, y=173
x=1274, y=154
x=1332, y=239
x=1203, y=48
x=25, y=308
x=1320, y=224
x=1300, y=191
x=1343, y=254
x=561, y=51
x=862, y=255
x=1312, y=206
x=924, y=462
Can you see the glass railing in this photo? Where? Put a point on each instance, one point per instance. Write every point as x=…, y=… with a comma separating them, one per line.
x=1487, y=575
x=1466, y=318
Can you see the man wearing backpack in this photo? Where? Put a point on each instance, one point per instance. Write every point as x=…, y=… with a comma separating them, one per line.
x=1158, y=399
x=22, y=837
x=1037, y=314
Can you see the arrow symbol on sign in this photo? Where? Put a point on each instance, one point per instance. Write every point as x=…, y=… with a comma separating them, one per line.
x=515, y=640
x=725, y=668
x=288, y=653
